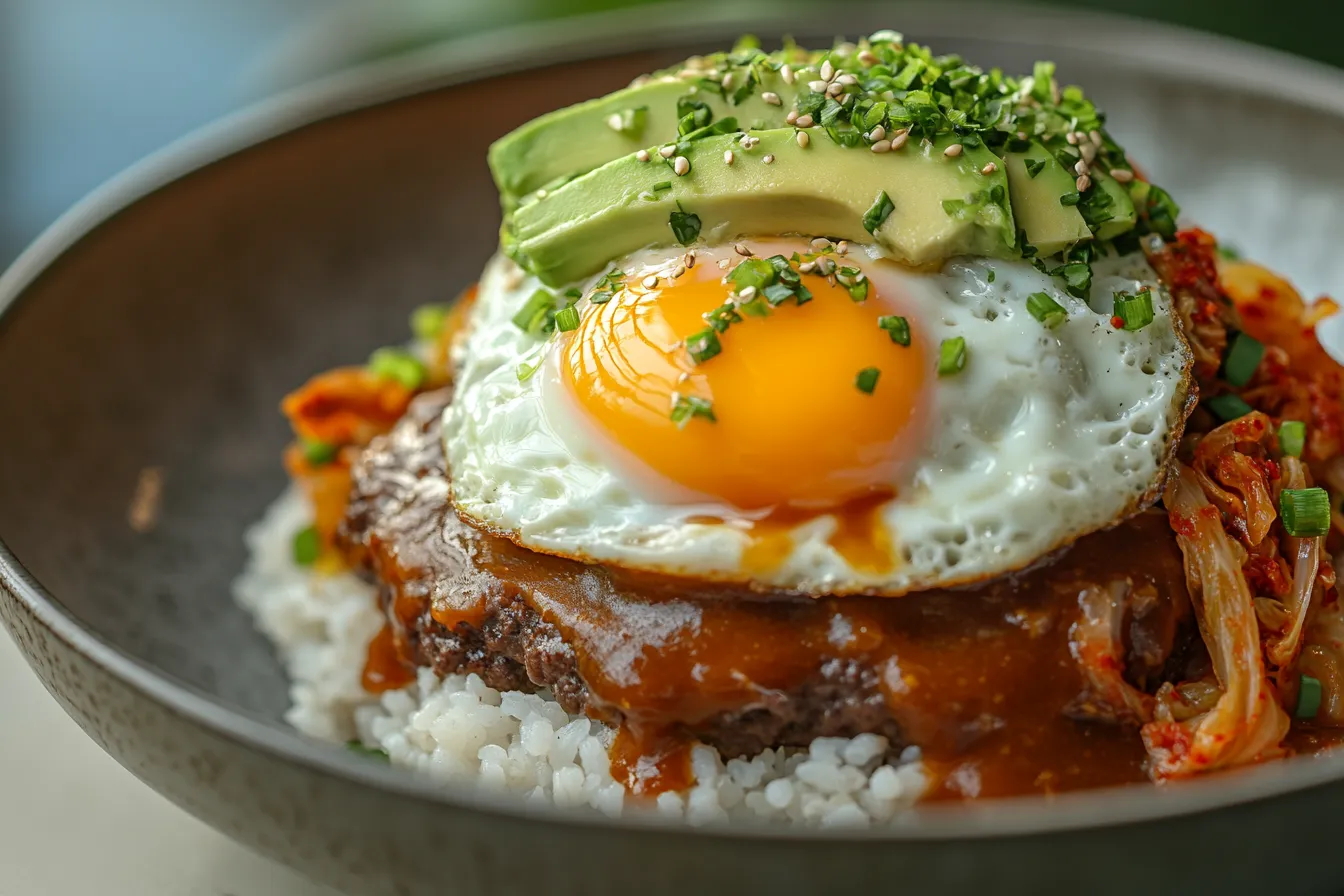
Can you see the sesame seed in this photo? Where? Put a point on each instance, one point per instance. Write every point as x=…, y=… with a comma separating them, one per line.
x=821, y=243
x=1071, y=138
x=787, y=74
x=682, y=166
x=827, y=70
x=747, y=293
x=543, y=193
x=1080, y=168
x=771, y=99
x=842, y=248
x=723, y=264
x=835, y=88
x=1123, y=175
x=614, y=121
x=792, y=117
x=1082, y=183
x=749, y=142
x=650, y=281
x=642, y=155
x=678, y=271
x=817, y=86
x=866, y=57
x=769, y=159
x=805, y=121
x=847, y=80
x=881, y=146
x=728, y=157
x=989, y=168
x=727, y=82
x=803, y=139
x=1088, y=152
x=807, y=267
x=681, y=378
x=899, y=140
x=877, y=133
x=689, y=259
x=741, y=250
x=953, y=151
x=1095, y=137
x=667, y=152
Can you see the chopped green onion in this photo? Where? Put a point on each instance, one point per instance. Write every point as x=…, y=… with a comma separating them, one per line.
x=567, y=318
x=306, y=547
x=427, y=321
x=686, y=407
x=1308, y=698
x=1292, y=437
x=754, y=272
x=1228, y=407
x=990, y=278
x=685, y=226
x=573, y=293
x=533, y=316
x=858, y=291
x=703, y=345
x=1046, y=310
x=317, y=453
x=359, y=749
x=897, y=327
x=1077, y=277
x=1242, y=358
x=1034, y=167
x=1305, y=511
x=525, y=371
x=878, y=213
x=400, y=365
x=951, y=356
x=1135, y=312
x=866, y=381
x=1073, y=197
x=661, y=186
x=778, y=293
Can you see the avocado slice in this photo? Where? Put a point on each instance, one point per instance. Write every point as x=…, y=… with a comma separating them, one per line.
x=940, y=206
x=1049, y=226
x=575, y=140
x=1123, y=215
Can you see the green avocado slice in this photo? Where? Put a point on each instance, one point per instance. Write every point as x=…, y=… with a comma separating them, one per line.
x=1036, y=181
x=940, y=205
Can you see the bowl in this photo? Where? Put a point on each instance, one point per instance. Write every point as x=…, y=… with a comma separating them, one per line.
x=148, y=336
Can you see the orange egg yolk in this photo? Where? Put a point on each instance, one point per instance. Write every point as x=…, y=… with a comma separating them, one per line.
x=791, y=428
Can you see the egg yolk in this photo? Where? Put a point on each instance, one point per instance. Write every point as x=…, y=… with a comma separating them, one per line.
x=791, y=425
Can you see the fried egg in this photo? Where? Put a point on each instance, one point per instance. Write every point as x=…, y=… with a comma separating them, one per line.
x=792, y=475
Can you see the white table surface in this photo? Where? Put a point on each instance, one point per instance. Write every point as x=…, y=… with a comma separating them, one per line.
x=72, y=821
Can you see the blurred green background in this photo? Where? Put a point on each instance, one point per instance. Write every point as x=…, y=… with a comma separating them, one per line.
x=89, y=86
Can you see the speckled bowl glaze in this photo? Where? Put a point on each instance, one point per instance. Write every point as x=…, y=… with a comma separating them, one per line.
x=157, y=325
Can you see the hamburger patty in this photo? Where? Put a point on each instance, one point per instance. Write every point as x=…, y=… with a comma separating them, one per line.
x=952, y=672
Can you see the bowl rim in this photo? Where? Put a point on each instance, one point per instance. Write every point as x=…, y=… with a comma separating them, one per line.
x=1192, y=56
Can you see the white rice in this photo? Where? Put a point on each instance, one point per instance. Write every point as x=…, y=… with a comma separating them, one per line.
x=457, y=730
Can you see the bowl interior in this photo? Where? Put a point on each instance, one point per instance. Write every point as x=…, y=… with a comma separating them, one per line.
x=166, y=337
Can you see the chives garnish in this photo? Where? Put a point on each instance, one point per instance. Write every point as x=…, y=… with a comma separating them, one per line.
x=567, y=318
x=359, y=749
x=306, y=546
x=1292, y=437
x=859, y=290
x=685, y=407
x=1073, y=197
x=317, y=453
x=525, y=371
x=400, y=365
x=990, y=278
x=1305, y=511
x=878, y=213
x=757, y=272
x=951, y=355
x=1228, y=407
x=777, y=293
x=1077, y=277
x=1034, y=167
x=1243, y=357
x=685, y=226
x=703, y=345
x=897, y=327
x=661, y=186
x=1308, y=698
x=1135, y=312
x=427, y=321
x=1046, y=310
x=573, y=293
x=532, y=317
x=866, y=381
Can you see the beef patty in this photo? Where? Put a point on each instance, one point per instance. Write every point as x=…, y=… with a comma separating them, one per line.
x=992, y=675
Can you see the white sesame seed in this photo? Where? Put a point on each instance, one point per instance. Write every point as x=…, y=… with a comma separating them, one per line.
x=792, y=117
x=749, y=142
x=742, y=250
x=803, y=139
x=805, y=121
x=835, y=88
x=727, y=82
x=678, y=271
x=1082, y=183
x=820, y=243
x=881, y=146
x=771, y=98
x=953, y=151
x=807, y=267
x=899, y=140
x=543, y=193
x=667, y=152
x=1095, y=137
x=614, y=121
x=817, y=86
x=1088, y=152
x=1080, y=168
x=642, y=155
x=689, y=259
x=990, y=168
x=827, y=70
x=1123, y=175
x=769, y=159
x=877, y=133
x=747, y=293
x=650, y=281
x=842, y=247
x=723, y=264
x=1071, y=138
x=728, y=157
x=787, y=74
x=681, y=378
x=847, y=80
x=682, y=166
x=866, y=57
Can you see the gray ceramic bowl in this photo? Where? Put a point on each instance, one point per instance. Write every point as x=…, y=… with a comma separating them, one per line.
x=158, y=324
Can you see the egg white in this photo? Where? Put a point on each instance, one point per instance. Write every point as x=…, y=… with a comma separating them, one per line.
x=1046, y=435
